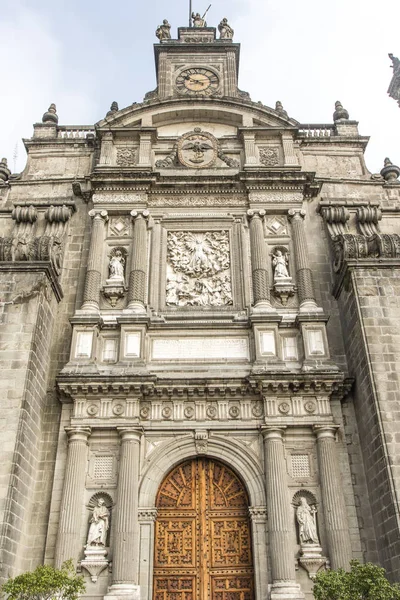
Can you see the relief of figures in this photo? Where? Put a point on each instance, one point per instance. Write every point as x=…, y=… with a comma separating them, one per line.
x=198, y=269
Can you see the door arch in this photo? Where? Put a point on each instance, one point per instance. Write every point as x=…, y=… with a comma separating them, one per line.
x=202, y=547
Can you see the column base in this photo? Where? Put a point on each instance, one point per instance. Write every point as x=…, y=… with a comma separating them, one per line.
x=263, y=306
x=91, y=307
x=286, y=590
x=136, y=307
x=123, y=591
x=310, y=306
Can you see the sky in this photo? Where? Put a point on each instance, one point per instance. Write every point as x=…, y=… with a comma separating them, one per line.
x=83, y=54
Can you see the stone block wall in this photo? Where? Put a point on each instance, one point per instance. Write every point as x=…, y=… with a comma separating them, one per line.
x=28, y=305
x=370, y=311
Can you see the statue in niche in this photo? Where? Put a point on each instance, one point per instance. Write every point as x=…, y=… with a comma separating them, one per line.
x=99, y=525
x=280, y=262
x=198, y=21
x=225, y=30
x=305, y=515
x=116, y=266
x=163, y=32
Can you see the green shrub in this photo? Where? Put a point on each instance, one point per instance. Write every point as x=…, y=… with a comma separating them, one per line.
x=362, y=582
x=46, y=583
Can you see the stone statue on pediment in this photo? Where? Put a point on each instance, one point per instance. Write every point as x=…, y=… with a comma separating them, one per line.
x=225, y=30
x=163, y=32
x=198, y=21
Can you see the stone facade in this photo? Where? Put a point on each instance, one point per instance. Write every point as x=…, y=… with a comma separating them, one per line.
x=199, y=275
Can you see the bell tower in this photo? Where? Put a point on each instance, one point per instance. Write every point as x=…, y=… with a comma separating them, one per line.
x=197, y=64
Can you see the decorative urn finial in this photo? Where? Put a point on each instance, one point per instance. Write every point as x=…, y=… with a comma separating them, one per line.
x=113, y=108
x=390, y=172
x=340, y=112
x=51, y=115
x=279, y=109
x=4, y=170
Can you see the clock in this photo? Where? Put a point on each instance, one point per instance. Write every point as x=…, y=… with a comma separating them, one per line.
x=197, y=82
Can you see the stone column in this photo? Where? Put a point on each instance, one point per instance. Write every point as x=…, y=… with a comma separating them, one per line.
x=305, y=283
x=69, y=528
x=336, y=526
x=259, y=261
x=126, y=525
x=138, y=273
x=91, y=294
x=282, y=552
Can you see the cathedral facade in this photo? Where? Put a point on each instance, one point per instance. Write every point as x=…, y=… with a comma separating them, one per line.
x=200, y=336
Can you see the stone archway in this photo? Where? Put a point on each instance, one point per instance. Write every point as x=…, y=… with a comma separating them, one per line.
x=202, y=544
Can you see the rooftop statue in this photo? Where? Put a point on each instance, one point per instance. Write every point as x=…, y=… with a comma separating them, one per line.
x=395, y=64
x=163, y=32
x=198, y=21
x=225, y=30
x=394, y=87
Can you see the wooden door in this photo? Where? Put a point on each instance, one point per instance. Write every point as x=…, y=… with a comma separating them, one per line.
x=202, y=535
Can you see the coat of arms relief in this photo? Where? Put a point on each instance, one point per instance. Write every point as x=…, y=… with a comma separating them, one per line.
x=198, y=269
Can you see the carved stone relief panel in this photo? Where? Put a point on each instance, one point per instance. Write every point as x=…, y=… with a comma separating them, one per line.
x=198, y=269
x=269, y=155
x=126, y=157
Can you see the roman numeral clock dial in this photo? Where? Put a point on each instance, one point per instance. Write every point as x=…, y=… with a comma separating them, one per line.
x=197, y=82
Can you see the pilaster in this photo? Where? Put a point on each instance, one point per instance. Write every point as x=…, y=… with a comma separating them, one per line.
x=288, y=150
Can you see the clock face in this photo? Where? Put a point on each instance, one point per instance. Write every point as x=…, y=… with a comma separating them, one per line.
x=197, y=82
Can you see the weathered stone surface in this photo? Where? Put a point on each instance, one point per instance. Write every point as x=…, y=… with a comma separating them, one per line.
x=158, y=329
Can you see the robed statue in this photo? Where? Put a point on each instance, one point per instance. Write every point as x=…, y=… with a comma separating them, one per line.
x=163, y=32
x=99, y=525
x=305, y=515
x=225, y=30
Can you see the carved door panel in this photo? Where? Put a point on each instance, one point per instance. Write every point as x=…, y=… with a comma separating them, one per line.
x=202, y=535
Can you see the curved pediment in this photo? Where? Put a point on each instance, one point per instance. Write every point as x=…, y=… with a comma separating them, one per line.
x=231, y=112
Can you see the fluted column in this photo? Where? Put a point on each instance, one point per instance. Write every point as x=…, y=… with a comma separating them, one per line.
x=69, y=528
x=259, y=260
x=304, y=278
x=282, y=552
x=91, y=294
x=336, y=526
x=126, y=525
x=138, y=273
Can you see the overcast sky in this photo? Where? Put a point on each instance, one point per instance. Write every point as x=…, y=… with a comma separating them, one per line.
x=83, y=54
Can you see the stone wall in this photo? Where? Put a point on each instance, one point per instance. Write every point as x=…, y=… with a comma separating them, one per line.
x=28, y=307
x=370, y=309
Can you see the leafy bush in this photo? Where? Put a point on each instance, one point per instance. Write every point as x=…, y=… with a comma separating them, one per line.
x=46, y=583
x=362, y=582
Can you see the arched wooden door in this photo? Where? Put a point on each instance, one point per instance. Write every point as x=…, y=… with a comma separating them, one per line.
x=202, y=535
